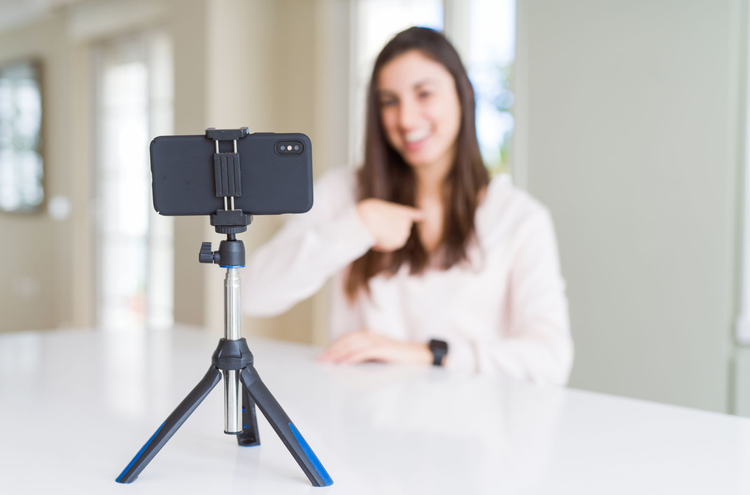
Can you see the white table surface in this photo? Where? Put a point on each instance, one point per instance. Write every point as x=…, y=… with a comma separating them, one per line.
x=76, y=406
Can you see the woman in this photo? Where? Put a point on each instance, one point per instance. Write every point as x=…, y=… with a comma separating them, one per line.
x=427, y=254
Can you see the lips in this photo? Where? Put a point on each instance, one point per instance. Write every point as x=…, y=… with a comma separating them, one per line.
x=415, y=139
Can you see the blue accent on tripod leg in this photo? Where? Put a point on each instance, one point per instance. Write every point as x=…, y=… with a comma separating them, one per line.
x=140, y=453
x=281, y=424
x=170, y=426
x=311, y=455
x=249, y=437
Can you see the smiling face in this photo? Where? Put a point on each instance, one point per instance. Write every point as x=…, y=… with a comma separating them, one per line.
x=419, y=110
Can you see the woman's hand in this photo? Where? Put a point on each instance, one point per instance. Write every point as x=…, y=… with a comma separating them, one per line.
x=389, y=223
x=364, y=345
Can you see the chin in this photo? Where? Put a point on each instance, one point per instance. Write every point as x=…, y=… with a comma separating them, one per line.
x=419, y=161
x=421, y=158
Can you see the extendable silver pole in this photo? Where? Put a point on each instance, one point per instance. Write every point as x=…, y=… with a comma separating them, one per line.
x=232, y=331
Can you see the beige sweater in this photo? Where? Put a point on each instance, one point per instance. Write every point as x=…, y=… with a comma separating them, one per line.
x=504, y=312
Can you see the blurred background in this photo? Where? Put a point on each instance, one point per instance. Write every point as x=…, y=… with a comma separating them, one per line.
x=627, y=119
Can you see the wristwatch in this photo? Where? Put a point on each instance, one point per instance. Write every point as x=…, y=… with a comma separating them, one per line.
x=439, y=349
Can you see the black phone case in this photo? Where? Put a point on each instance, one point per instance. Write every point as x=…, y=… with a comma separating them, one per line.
x=182, y=171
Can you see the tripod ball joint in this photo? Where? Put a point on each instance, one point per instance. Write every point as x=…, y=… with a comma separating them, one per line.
x=231, y=253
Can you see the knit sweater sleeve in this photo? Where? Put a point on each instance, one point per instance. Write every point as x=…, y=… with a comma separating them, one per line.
x=308, y=250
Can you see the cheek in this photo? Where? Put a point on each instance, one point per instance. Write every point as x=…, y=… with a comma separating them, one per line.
x=390, y=125
x=448, y=114
x=455, y=118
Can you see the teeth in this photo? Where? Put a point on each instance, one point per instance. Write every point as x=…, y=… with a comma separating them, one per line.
x=417, y=135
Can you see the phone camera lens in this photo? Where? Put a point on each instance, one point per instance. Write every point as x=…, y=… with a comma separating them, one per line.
x=290, y=148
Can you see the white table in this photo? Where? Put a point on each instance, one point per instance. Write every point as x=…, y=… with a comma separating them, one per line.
x=75, y=407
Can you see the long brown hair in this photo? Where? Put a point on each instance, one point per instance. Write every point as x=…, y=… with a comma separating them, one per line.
x=385, y=175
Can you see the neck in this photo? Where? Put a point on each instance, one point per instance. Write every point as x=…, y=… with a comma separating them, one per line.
x=430, y=179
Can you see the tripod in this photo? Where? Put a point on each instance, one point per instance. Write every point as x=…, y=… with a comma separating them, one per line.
x=243, y=387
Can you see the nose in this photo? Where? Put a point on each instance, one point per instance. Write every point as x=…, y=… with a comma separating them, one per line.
x=408, y=117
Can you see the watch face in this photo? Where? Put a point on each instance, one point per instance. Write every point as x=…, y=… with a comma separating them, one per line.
x=438, y=346
x=439, y=349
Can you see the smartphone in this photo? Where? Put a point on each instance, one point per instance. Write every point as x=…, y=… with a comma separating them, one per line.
x=275, y=173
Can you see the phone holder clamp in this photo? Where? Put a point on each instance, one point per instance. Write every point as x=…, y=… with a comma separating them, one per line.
x=227, y=172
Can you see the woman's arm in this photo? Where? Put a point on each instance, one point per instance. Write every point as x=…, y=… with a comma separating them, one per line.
x=538, y=347
x=308, y=250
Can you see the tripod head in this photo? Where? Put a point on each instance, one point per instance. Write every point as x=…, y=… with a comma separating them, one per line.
x=231, y=253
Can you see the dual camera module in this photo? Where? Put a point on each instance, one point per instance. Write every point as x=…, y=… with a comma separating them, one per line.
x=289, y=148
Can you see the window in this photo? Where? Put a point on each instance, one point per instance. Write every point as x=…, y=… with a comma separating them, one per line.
x=134, y=244
x=490, y=65
x=21, y=166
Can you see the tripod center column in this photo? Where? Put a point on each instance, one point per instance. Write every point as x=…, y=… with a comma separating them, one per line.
x=232, y=331
x=232, y=313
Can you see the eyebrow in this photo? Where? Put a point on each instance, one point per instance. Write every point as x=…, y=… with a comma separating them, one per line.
x=423, y=82
x=418, y=84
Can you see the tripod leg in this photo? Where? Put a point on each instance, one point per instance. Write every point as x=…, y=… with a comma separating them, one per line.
x=170, y=426
x=284, y=427
x=250, y=435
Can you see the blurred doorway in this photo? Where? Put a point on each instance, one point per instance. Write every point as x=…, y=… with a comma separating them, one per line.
x=135, y=260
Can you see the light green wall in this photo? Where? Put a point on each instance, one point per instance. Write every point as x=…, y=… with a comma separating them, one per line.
x=632, y=142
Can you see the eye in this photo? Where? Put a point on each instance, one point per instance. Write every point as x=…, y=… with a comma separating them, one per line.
x=424, y=94
x=388, y=102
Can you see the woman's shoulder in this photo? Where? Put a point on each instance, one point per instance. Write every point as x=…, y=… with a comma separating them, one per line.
x=337, y=185
x=342, y=177
x=504, y=196
x=507, y=207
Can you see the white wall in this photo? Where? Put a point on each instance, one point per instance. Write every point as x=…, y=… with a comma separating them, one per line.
x=631, y=139
x=232, y=68
x=41, y=268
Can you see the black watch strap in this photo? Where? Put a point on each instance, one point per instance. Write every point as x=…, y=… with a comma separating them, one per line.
x=439, y=349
